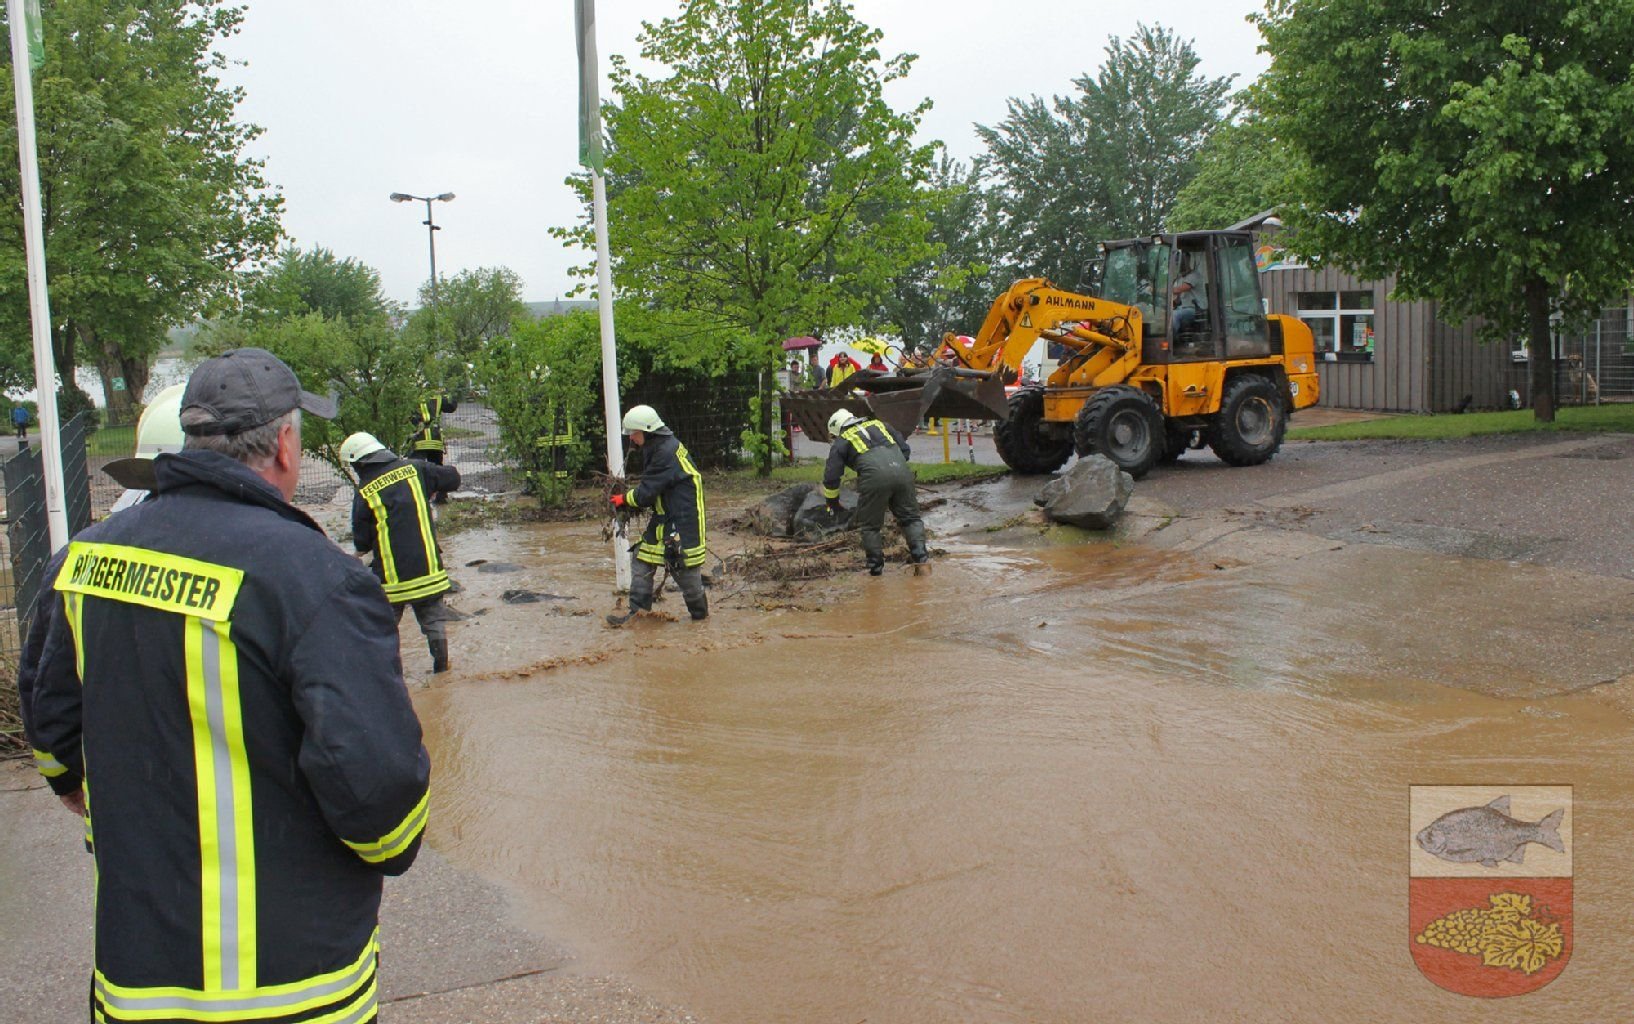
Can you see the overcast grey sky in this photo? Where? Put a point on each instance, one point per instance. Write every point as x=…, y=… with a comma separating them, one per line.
x=362, y=98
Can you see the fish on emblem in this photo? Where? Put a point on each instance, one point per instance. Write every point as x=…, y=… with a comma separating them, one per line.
x=1488, y=835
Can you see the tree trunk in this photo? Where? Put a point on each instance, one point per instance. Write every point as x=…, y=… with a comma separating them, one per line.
x=117, y=400
x=1542, y=350
x=765, y=424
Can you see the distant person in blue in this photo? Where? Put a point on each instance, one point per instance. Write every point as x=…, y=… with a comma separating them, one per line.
x=19, y=420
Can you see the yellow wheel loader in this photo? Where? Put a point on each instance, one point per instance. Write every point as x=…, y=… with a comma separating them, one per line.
x=1173, y=351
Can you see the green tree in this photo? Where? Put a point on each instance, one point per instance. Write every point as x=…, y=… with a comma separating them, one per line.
x=765, y=183
x=150, y=205
x=472, y=309
x=1242, y=169
x=327, y=319
x=1106, y=163
x=316, y=282
x=1484, y=153
x=951, y=289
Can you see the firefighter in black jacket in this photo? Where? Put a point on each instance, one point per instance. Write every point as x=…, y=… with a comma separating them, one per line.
x=879, y=455
x=391, y=516
x=219, y=693
x=674, y=489
x=426, y=442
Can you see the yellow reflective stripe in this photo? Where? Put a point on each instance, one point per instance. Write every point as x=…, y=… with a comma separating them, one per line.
x=48, y=765
x=831, y=492
x=422, y=512
x=354, y=984
x=397, y=840
x=413, y=590
x=385, y=480
x=74, y=606
x=226, y=841
x=153, y=579
x=382, y=529
x=685, y=459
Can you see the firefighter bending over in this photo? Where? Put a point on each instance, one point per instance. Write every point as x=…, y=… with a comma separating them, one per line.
x=879, y=455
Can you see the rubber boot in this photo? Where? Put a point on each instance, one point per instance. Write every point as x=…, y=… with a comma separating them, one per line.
x=699, y=607
x=876, y=568
x=439, y=655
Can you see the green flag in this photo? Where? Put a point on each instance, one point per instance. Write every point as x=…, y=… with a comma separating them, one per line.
x=584, y=16
x=35, y=31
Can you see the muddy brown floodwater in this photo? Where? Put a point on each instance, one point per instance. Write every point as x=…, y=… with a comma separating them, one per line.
x=1084, y=782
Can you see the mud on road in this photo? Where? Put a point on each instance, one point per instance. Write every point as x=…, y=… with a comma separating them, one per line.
x=1160, y=775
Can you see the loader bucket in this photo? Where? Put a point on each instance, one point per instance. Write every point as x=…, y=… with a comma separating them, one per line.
x=903, y=400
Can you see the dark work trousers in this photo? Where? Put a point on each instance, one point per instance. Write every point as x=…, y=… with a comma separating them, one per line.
x=887, y=484
x=691, y=582
x=430, y=613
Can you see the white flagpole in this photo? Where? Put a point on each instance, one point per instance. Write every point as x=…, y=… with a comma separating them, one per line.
x=590, y=139
x=609, y=371
x=45, y=370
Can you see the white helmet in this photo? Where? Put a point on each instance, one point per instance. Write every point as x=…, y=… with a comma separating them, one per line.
x=359, y=447
x=643, y=418
x=840, y=420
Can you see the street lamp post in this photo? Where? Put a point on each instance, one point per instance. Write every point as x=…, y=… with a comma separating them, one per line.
x=431, y=234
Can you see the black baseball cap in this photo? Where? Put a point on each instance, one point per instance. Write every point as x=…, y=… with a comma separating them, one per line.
x=247, y=388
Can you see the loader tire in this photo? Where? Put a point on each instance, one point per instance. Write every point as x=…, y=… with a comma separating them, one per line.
x=1123, y=424
x=1252, y=419
x=1021, y=442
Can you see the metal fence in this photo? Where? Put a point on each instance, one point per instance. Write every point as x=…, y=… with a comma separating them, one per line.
x=27, y=536
x=1592, y=366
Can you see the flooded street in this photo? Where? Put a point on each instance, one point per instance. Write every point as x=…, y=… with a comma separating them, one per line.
x=1054, y=782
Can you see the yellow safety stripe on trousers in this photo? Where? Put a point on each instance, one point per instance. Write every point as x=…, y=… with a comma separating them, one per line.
x=226, y=839
x=153, y=579
x=352, y=985
x=397, y=840
x=831, y=493
x=47, y=764
x=400, y=590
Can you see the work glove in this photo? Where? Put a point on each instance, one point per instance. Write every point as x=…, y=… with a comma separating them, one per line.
x=834, y=507
x=617, y=500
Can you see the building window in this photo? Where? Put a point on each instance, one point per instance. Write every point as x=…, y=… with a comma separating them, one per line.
x=1342, y=322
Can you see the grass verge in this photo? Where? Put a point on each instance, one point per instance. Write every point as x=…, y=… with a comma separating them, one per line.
x=1617, y=418
x=114, y=441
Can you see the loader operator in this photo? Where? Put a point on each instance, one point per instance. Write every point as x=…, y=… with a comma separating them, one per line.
x=391, y=516
x=879, y=455
x=219, y=696
x=674, y=489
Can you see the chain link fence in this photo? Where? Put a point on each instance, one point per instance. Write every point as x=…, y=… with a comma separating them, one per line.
x=1592, y=366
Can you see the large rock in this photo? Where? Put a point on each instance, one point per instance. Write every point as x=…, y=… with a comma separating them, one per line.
x=1091, y=494
x=800, y=511
x=774, y=515
x=813, y=520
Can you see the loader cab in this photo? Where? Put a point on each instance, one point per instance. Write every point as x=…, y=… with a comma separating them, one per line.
x=1198, y=293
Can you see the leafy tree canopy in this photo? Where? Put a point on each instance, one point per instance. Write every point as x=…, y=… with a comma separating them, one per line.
x=1484, y=153
x=327, y=319
x=951, y=289
x=469, y=311
x=150, y=205
x=316, y=282
x=1242, y=169
x=756, y=162
x=1105, y=163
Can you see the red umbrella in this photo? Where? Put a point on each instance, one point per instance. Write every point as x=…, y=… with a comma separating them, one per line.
x=795, y=344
